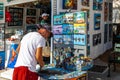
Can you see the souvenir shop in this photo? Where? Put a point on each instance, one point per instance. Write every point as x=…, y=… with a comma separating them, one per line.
x=82, y=31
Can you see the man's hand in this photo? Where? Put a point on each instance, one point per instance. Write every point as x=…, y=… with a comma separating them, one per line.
x=42, y=64
x=39, y=57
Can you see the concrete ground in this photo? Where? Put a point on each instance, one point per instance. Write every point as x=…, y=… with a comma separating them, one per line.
x=103, y=60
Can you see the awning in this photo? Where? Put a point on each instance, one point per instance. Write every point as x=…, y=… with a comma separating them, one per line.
x=15, y=2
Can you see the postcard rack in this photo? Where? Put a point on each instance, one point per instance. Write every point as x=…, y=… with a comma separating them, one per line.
x=70, y=38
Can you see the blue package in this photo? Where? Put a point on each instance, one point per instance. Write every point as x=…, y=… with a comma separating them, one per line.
x=12, y=63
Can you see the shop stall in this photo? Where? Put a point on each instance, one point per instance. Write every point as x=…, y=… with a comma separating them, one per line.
x=99, y=25
x=69, y=57
x=16, y=18
x=78, y=34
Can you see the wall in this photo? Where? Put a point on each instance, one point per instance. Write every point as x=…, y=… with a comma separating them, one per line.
x=99, y=49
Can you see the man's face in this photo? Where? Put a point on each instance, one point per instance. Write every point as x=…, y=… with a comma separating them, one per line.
x=45, y=33
x=45, y=17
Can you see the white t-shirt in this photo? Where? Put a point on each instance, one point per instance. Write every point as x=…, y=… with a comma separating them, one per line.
x=29, y=44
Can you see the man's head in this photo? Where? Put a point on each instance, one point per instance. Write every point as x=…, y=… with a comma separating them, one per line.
x=44, y=31
x=45, y=16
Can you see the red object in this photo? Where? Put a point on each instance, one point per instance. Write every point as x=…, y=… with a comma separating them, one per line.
x=7, y=16
x=22, y=73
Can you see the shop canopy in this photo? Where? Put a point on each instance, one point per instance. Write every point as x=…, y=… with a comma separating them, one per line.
x=15, y=2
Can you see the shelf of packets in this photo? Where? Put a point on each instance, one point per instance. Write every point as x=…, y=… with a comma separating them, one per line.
x=70, y=23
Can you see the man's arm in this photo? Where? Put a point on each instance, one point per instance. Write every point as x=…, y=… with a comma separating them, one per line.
x=39, y=57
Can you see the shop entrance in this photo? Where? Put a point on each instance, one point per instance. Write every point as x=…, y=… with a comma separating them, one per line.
x=23, y=18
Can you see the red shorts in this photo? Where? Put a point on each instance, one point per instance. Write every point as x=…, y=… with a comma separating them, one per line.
x=23, y=73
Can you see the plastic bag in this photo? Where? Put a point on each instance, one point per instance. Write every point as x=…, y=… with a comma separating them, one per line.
x=46, y=50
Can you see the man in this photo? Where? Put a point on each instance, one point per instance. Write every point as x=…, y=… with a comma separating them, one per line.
x=44, y=20
x=29, y=53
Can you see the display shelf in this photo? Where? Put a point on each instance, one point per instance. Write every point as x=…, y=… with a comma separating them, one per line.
x=94, y=9
x=70, y=43
x=2, y=38
x=16, y=15
x=30, y=20
x=2, y=46
x=31, y=14
x=1, y=10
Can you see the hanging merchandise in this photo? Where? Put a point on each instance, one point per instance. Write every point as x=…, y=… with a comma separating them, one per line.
x=70, y=41
x=97, y=21
x=1, y=10
x=7, y=16
x=46, y=50
x=10, y=63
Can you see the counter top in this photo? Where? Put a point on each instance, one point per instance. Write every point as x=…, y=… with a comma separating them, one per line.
x=50, y=73
x=59, y=73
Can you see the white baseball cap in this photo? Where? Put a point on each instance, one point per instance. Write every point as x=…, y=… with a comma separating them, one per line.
x=45, y=14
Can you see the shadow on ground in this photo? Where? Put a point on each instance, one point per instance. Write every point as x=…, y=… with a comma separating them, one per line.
x=103, y=61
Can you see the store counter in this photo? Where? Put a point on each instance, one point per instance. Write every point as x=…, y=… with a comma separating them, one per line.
x=60, y=73
x=51, y=74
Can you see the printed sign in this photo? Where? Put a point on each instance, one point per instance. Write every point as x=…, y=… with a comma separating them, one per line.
x=80, y=28
x=68, y=18
x=79, y=39
x=67, y=28
x=57, y=29
x=79, y=17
